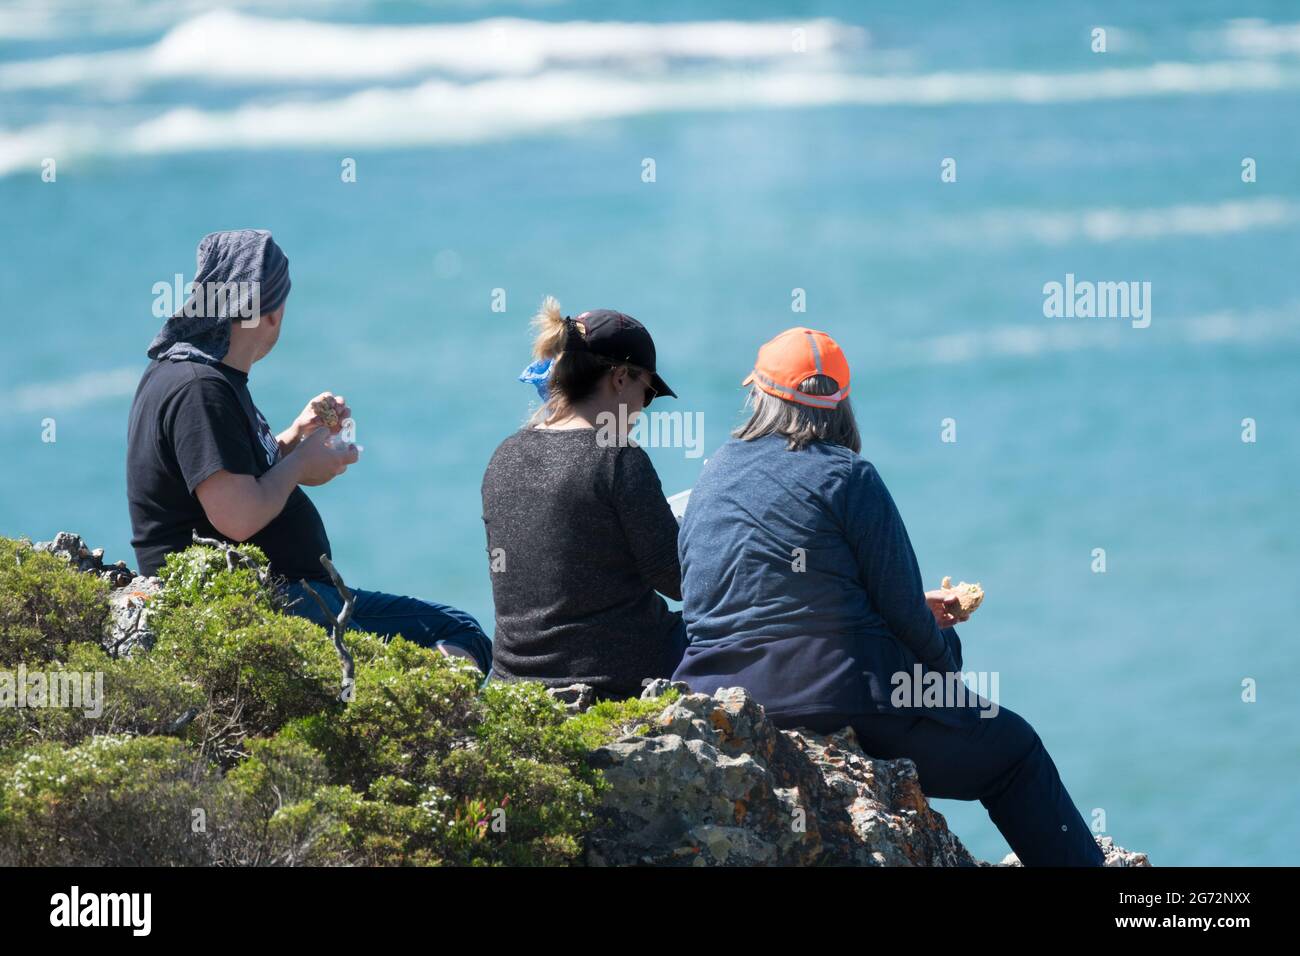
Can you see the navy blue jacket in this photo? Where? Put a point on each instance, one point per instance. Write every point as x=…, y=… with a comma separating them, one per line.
x=799, y=582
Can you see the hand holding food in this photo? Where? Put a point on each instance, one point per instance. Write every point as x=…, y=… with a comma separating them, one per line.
x=970, y=596
x=952, y=605
x=336, y=416
x=326, y=411
x=329, y=410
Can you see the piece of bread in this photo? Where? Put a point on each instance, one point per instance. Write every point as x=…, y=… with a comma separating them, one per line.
x=326, y=412
x=971, y=596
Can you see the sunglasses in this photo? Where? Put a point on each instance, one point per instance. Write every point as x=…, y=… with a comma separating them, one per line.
x=650, y=391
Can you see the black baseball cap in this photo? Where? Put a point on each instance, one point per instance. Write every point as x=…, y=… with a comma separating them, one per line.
x=621, y=338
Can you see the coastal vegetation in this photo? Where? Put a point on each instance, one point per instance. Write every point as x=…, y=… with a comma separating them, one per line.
x=231, y=740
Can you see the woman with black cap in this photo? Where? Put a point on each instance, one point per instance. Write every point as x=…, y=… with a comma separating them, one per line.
x=581, y=541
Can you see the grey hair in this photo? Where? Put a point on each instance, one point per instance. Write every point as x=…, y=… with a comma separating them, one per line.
x=801, y=424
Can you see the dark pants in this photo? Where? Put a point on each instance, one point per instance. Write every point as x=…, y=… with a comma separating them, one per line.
x=421, y=622
x=999, y=761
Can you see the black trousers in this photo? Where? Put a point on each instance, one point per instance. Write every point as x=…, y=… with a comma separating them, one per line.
x=999, y=761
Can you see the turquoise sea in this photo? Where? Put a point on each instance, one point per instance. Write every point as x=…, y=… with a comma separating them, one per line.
x=504, y=147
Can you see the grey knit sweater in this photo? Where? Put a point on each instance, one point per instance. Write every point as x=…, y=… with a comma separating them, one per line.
x=579, y=539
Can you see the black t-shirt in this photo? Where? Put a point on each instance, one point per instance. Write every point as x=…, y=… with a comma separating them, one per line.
x=190, y=420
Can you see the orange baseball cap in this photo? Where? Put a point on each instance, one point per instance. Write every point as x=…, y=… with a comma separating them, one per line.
x=799, y=354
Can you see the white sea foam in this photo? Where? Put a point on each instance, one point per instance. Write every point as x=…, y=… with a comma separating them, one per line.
x=440, y=111
x=1116, y=224
x=45, y=19
x=1261, y=38
x=234, y=48
x=54, y=396
x=1054, y=336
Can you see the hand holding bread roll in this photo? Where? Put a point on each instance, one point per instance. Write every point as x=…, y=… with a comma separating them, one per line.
x=971, y=596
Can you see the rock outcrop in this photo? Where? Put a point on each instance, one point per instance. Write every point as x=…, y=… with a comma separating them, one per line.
x=1116, y=855
x=714, y=783
x=127, y=626
x=72, y=549
x=575, y=698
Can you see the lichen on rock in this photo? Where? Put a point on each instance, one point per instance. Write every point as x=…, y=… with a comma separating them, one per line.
x=715, y=783
x=126, y=629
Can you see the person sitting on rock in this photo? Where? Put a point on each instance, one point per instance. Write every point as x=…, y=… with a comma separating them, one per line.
x=202, y=459
x=581, y=541
x=799, y=583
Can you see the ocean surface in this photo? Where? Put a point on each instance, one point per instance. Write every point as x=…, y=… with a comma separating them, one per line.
x=501, y=155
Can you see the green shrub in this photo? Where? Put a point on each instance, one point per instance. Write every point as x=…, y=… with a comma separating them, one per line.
x=608, y=720
x=410, y=707
x=381, y=831
x=45, y=605
x=110, y=801
x=421, y=767
x=523, y=794
x=141, y=695
x=276, y=809
x=256, y=669
x=199, y=575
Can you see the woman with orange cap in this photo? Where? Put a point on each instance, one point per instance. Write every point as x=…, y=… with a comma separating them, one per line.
x=799, y=583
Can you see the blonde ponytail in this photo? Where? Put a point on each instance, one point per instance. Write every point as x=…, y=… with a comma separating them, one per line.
x=548, y=323
x=575, y=372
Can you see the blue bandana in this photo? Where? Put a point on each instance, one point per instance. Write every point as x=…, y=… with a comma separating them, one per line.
x=538, y=375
